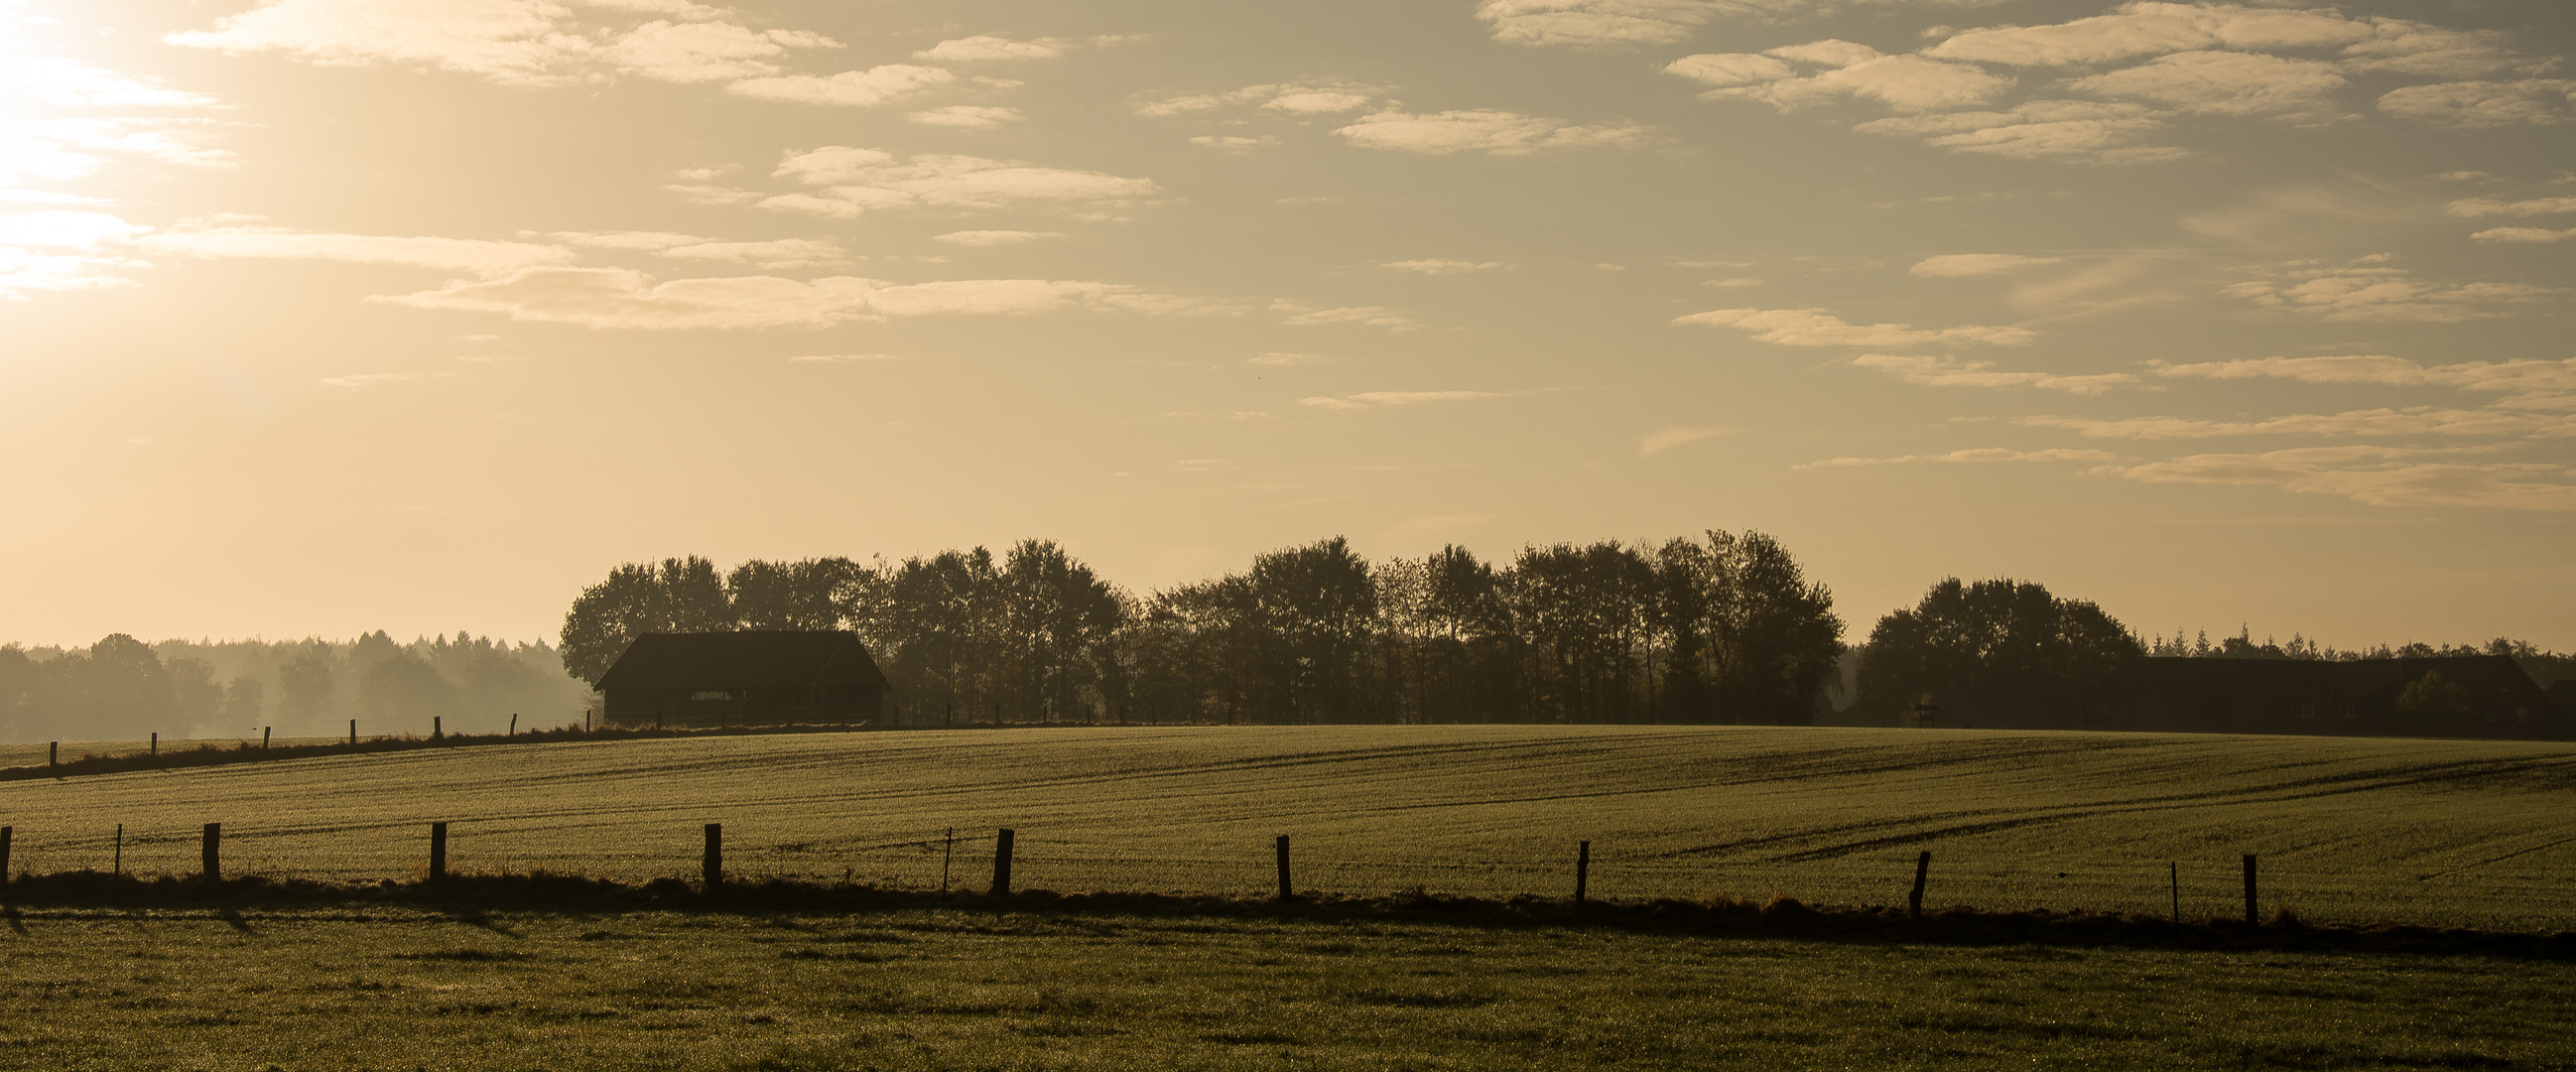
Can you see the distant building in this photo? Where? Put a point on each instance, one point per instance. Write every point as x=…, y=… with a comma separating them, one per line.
x=2440, y=696
x=743, y=679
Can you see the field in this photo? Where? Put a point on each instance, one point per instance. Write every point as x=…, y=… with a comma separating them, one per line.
x=2440, y=832
x=970, y=989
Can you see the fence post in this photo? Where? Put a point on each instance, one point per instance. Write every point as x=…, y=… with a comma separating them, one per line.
x=945, y=855
x=54, y=754
x=437, y=851
x=212, y=850
x=5, y=833
x=156, y=742
x=1922, y=869
x=1582, y=868
x=263, y=737
x=514, y=723
x=2173, y=874
x=2250, y=917
x=437, y=727
x=353, y=733
x=1002, y=862
x=1287, y=890
x=714, y=863
x=119, y=867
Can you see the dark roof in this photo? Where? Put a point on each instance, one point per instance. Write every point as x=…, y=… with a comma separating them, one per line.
x=744, y=660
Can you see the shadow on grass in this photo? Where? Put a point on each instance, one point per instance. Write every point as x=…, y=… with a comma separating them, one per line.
x=472, y=897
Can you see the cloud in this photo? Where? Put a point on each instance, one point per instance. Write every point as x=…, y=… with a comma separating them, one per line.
x=378, y=379
x=2142, y=29
x=1289, y=98
x=2378, y=476
x=2097, y=132
x=1904, y=83
x=688, y=52
x=1964, y=265
x=2475, y=105
x=64, y=83
x=486, y=258
x=2370, y=289
x=779, y=253
x=848, y=89
x=992, y=238
x=513, y=41
x=2227, y=83
x=66, y=229
x=2523, y=234
x=1482, y=130
x=2414, y=420
x=2529, y=384
x=1288, y=359
x=1301, y=314
x=624, y=299
x=2474, y=207
x=1947, y=372
x=1816, y=327
x=1628, y=23
x=1977, y=454
x=1664, y=439
x=1434, y=266
x=857, y=181
x=1233, y=142
x=1383, y=399
x=967, y=117
x=986, y=47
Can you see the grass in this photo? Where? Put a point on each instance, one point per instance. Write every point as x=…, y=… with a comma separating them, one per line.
x=2465, y=833
x=977, y=988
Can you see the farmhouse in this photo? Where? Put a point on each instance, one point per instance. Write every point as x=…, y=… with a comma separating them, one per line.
x=2440, y=696
x=743, y=679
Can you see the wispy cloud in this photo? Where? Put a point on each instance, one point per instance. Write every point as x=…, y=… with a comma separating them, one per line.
x=1664, y=439
x=1300, y=314
x=968, y=117
x=850, y=182
x=1975, y=454
x=993, y=238
x=1963, y=265
x=479, y=256
x=1385, y=399
x=2372, y=288
x=1950, y=372
x=2529, y=384
x=2379, y=476
x=1484, y=130
x=1817, y=327
x=616, y=298
x=2414, y=420
x=1434, y=266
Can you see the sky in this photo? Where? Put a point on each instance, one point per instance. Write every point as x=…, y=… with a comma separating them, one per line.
x=323, y=316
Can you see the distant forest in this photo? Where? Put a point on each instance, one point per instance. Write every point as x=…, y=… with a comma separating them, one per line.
x=1724, y=628
x=120, y=689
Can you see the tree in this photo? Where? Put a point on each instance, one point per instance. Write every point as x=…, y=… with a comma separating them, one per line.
x=1057, y=617
x=790, y=595
x=304, y=684
x=121, y=688
x=2000, y=653
x=404, y=689
x=1319, y=604
x=681, y=595
x=1784, y=639
x=2434, y=700
x=242, y=703
x=194, y=694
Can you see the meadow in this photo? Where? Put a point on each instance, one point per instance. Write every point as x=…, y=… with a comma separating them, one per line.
x=986, y=988
x=2466, y=833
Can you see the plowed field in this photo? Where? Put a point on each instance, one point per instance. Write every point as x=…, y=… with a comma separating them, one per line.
x=2445, y=832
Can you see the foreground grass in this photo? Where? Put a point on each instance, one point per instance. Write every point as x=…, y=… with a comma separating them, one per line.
x=976, y=988
x=2467, y=833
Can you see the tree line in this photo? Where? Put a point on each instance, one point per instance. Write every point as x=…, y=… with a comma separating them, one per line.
x=1725, y=628
x=121, y=688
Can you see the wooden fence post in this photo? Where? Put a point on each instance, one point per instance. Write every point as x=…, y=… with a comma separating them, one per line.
x=212, y=851
x=950, y=853
x=437, y=727
x=514, y=723
x=1002, y=862
x=1922, y=869
x=437, y=851
x=54, y=754
x=715, y=855
x=2173, y=874
x=1287, y=889
x=353, y=733
x=118, y=868
x=156, y=742
x=2250, y=917
x=1582, y=868
x=263, y=737
x=5, y=833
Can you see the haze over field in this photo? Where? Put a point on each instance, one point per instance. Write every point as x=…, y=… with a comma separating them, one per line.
x=328, y=316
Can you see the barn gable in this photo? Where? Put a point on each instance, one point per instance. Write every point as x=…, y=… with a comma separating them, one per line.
x=743, y=678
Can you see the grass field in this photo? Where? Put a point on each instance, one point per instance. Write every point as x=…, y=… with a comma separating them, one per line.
x=967, y=989
x=2442, y=832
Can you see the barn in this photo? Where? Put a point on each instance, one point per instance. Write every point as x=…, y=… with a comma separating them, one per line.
x=751, y=678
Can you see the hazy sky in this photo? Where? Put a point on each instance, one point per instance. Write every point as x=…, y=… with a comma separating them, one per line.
x=332, y=315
